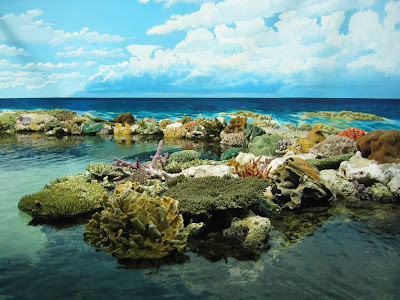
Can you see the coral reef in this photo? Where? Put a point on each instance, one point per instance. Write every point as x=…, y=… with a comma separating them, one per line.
x=352, y=133
x=314, y=137
x=248, y=114
x=381, y=145
x=183, y=156
x=345, y=115
x=125, y=118
x=175, y=132
x=297, y=185
x=252, y=131
x=282, y=145
x=236, y=125
x=135, y=226
x=264, y=145
x=233, y=138
x=231, y=152
x=207, y=170
x=64, y=198
x=186, y=119
x=250, y=169
x=331, y=162
x=334, y=145
x=210, y=194
x=163, y=123
x=92, y=127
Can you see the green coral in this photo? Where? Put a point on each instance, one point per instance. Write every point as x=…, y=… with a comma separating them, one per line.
x=183, y=156
x=207, y=194
x=64, y=198
x=332, y=162
x=231, y=152
x=135, y=226
x=92, y=127
x=345, y=115
x=102, y=170
x=252, y=131
x=264, y=145
x=7, y=120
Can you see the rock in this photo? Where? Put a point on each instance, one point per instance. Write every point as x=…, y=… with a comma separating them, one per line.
x=244, y=158
x=255, y=229
x=207, y=170
x=174, y=125
x=334, y=145
x=381, y=193
x=381, y=145
x=394, y=185
x=340, y=187
x=295, y=184
x=363, y=170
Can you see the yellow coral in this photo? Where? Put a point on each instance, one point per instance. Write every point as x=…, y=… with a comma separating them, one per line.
x=175, y=133
x=33, y=126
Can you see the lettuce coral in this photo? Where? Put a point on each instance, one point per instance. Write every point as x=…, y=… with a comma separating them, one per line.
x=135, y=226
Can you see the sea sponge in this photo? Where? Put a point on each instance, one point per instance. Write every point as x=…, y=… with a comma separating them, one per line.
x=381, y=145
x=164, y=122
x=135, y=226
x=64, y=199
x=125, y=118
x=334, y=145
x=183, y=156
x=352, y=133
x=175, y=133
x=264, y=145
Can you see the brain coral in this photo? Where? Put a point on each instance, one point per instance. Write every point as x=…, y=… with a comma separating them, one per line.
x=64, y=198
x=381, y=145
x=135, y=226
x=334, y=145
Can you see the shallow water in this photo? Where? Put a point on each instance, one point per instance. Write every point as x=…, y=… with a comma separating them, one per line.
x=344, y=258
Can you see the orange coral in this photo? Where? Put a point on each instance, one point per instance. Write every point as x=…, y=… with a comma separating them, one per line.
x=189, y=126
x=352, y=133
x=251, y=169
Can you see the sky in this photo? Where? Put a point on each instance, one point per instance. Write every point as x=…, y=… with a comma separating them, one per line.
x=200, y=48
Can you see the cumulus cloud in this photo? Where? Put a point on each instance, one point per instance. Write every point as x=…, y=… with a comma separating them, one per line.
x=303, y=49
x=169, y=3
x=11, y=51
x=31, y=30
x=97, y=53
x=211, y=14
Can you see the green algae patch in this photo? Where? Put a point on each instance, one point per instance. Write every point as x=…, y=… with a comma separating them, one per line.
x=346, y=115
x=332, y=162
x=64, y=198
x=207, y=194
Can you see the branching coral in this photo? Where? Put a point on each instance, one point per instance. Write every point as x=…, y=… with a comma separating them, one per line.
x=135, y=226
x=236, y=125
x=251, y=169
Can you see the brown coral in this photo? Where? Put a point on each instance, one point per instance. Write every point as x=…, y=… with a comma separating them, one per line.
x=381, y=145
x=125, y=118
x=236, y=125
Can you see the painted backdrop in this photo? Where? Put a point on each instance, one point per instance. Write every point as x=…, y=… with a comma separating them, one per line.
x=169, y=48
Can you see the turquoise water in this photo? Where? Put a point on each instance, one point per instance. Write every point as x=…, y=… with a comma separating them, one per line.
x=343, y=259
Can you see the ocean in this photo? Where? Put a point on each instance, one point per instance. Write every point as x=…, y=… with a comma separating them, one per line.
x=344, y=257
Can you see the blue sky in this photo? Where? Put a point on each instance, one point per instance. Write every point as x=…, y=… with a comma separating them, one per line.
x=183, y=48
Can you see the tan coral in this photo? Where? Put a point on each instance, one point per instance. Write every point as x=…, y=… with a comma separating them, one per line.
x=175, y=133
x=135, y=226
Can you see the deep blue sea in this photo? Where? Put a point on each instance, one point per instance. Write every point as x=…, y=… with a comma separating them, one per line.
x=343, y=258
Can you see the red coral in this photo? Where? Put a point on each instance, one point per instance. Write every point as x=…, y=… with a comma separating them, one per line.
x=352, y=133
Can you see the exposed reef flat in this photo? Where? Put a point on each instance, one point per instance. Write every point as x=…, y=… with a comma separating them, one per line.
x=269, y=178
x=346, y=115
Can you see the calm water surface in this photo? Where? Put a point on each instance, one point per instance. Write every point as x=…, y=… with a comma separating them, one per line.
x=343, y=259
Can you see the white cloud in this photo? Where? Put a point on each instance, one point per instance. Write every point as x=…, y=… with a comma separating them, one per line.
x=26, y=28
x=169, y=3
x=301, y=51
x=97, y=53
x=11, y=51
x=230, y=11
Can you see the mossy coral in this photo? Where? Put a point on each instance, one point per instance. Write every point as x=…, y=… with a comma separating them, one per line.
x=264, y=145
x=64, y=199
x=125, y=118
x=175, y=133
x=135, y=226
x=209, y=194
x=183, y=156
